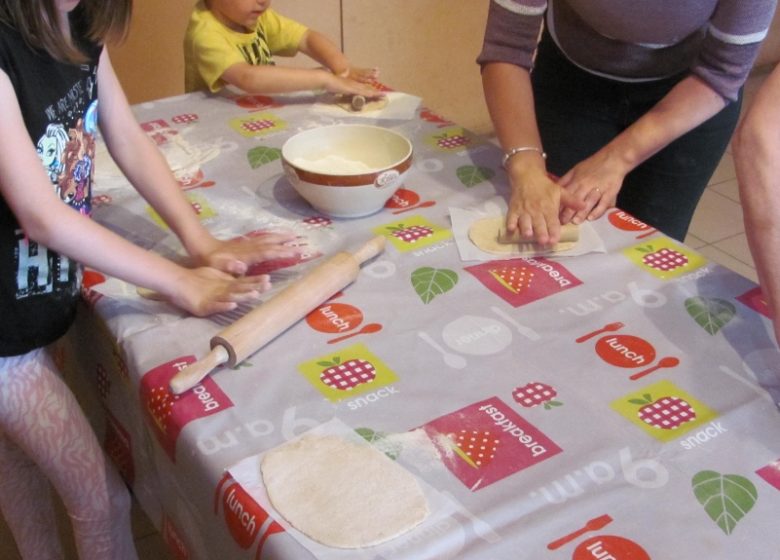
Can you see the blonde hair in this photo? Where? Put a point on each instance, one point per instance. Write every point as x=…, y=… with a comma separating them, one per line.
x=37, y=22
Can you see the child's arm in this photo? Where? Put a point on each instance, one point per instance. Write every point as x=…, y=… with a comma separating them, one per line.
x=47, y=220
x=279, y=79
x=146, y=168
x=317, y=46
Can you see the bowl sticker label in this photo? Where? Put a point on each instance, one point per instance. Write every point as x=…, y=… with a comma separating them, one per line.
x=387, y=178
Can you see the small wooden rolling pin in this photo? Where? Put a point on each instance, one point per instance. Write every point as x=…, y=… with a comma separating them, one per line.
x=257, y=328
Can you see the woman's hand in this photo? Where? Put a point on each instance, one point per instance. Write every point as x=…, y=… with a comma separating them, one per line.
x=535, y=203
x=205, y=290
x=235, y=256
x=594, y=184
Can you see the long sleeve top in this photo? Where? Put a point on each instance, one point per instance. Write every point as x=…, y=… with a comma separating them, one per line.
x=716, y=40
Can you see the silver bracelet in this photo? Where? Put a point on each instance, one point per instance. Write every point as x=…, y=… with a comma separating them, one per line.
x=519, y=149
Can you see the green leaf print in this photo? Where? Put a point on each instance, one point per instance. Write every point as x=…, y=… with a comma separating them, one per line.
x=261, y=155
x=711, y=314
x=471, y=175
x=726, y=498
x=431, y=282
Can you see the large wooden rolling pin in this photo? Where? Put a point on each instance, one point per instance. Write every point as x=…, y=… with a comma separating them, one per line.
x=250, y=333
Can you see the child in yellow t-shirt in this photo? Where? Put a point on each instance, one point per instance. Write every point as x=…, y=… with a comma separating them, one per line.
x=234, y=41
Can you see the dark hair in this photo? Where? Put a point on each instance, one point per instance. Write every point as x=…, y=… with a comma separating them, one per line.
x=37, y=22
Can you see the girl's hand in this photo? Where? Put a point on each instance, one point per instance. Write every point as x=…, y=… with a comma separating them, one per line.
x=235, y=256
x=535, y=203
x=594, y=184
x=205, y=291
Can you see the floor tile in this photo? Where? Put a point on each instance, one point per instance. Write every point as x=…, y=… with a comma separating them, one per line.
x=729, y=189
x=737, y=247
x=694, y=242
x=717, y=217
x=724, y=259
x=725, y=170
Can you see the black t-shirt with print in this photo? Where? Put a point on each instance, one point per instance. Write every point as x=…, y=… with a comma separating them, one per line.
x=39, y=289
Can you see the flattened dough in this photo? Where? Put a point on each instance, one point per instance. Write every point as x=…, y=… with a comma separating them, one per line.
x=341, y=493
x=485, y=234
x=345, y=102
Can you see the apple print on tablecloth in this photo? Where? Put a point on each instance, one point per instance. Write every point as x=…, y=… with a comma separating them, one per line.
x=726, y=498
x=524, y=280
x=431, y=282
x=256, y=102
x=347, y=372
x=626, y=222
x=413, y=232
x=472, y=175
x=488, y=441
x=428, y=115
x=663, y=410
x=185, y=118
x=711, y=314
x=257, y=124
x=262, y=155
x=664, y=258
x=535, y=394
x=452, y=139
x=316, y=222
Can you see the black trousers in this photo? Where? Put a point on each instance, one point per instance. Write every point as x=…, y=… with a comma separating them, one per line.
x=578, y=113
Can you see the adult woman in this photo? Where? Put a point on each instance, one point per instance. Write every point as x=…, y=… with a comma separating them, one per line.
x=635, y=103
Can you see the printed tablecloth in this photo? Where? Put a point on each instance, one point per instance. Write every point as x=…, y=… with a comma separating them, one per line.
x=617, y=404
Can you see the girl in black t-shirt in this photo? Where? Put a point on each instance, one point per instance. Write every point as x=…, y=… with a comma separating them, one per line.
x=56, y=84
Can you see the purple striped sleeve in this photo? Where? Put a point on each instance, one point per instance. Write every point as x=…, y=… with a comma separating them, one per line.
x=512, y=31
x=732, y=43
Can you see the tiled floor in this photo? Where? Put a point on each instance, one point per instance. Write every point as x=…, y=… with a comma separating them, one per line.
x=717, y=231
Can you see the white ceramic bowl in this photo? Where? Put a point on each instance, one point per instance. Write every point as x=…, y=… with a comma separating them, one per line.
x=347, y=170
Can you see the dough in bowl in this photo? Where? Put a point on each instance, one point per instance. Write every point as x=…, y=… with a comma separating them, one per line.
x=341, y=493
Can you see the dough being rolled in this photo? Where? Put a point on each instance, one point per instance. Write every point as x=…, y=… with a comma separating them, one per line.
x=490, y=235
x=341, y=493
x=359, y=104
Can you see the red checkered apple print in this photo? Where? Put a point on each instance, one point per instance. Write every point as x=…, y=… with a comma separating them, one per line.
x=475, y=447
x=666, y=413
x=348, y=375
x=513, y=278
x=256, y=126
x=185, y=118
x=534, y=394
x=314, y=222
x=664, y=259
x=451, y=142
x=410, y=234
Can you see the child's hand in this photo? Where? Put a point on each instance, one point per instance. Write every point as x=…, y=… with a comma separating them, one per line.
x=205, y=291
x=235, y=256
x=362, y=75
x=340, y=84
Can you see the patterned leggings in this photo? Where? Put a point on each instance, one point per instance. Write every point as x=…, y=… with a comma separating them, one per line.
x=45, y=437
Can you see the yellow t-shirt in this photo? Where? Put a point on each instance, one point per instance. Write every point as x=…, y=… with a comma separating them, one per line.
x=210, y=48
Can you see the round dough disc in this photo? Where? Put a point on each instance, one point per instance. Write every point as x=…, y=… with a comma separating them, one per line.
x=484, y=234
x=341, y=493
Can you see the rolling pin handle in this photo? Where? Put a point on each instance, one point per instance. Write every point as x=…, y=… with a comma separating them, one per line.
x=193, y=374
x=370, y=249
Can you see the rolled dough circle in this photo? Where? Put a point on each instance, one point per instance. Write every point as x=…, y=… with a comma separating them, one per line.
x=341, y=493
x=484, y=233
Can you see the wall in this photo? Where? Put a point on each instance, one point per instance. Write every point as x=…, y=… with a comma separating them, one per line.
x=423, y=47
